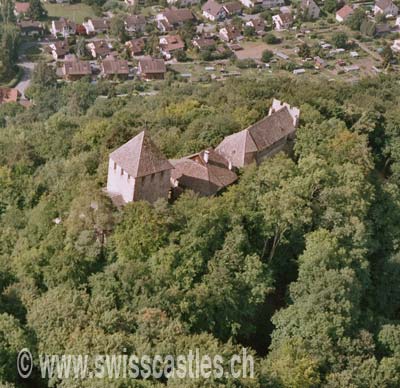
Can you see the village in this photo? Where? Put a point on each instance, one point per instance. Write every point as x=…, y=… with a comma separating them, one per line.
x=206, y=42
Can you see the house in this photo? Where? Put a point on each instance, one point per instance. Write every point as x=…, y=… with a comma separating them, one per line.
x=112, y=67
x=59, y=49
x=138, y=171
x=63, y=28
x=310, y=9
x=151, y=68
x=21, y=9
x=9, y=95
x=97, y=26
x=267, y=4
x=396, y=46
x=343, y=14
x=135, y=46
x=203, y=43
x=135, y=23
x=282, y=21
x=262, y=139
x=230, y=33
x=99, y=48
x=206, y=173
x=74, y=69
x=233, y=8
x=214, y=11
x=385, y=7
x=173, y=18
x=258, y=25
x=31, y=28
x=170, y=44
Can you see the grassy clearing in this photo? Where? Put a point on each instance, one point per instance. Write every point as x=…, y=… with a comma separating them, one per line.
x=75, y=12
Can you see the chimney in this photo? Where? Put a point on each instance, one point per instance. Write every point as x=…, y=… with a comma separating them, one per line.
x=206, y=155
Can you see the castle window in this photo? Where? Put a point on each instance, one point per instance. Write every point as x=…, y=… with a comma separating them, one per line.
x=152, y=176
x=122, y=171
x=115, y=165
x=129, y=177
x=162, y=174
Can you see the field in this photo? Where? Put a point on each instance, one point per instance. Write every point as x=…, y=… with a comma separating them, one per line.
x=75, y=12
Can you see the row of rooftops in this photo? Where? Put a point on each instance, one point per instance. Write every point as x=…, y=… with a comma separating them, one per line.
x=210, y=170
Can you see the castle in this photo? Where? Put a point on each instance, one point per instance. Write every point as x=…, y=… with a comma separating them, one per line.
x=139, y=171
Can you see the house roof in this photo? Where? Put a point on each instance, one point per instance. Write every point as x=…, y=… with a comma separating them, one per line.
x=257, y=23
x=233, y=7
x=203, y=42
x=140, y=157
x=172, y=42
x=8, y=95
x=204, y=176
x=286, y=17
x=112, y=65
x=101, y=47
x=175, y=15
x=150, y=65
x=76, y=67
x=231, y=31
x=21, y=7
x=383, y=4
x=63, y=23
x=345, y=11
x=136, y=46
x=257, y=137
x=236, y=146
x=61, y=47
x=100, y=23
x=134, y=21
x=212, y=7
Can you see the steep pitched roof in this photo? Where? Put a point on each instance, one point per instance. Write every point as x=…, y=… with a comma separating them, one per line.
x=258, y=137
x=236, y=146
x=152, y=65
x=140, y=157
x=233, y=7
x=212, y=7
x=175, y=15
x=271, y=129
x=204, y=176
x=113, y=65
x=22, y=7
x=383, y=4
x=345, y=11
x=76, y=67
x=135, y=21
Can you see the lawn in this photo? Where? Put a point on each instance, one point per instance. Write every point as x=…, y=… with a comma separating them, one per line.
x=75, y=12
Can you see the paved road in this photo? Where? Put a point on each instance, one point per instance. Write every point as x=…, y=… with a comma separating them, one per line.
x=26, y=78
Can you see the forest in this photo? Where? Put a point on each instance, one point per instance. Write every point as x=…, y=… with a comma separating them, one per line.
x=298, y=261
